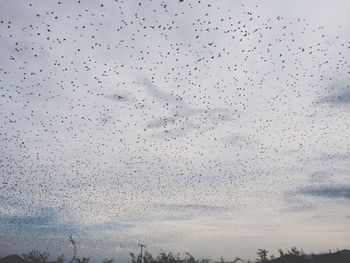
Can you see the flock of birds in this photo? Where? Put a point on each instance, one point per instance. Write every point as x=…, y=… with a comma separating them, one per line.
x=121, y=110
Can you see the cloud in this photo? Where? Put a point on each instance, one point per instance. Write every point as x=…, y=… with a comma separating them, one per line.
x=194, y=207
x=341, y=97
x=39, y=217
x=119, y=97
x=27, y=220
x=304, y=198
x=109, y=226
x=183, y=119
x=160, y=95
x=319, y=176
x=46, y=221
x=239, y=140
x=333, y=192
x=180, y=212
x=293, y=203
x=335, y=156
x=300, y=206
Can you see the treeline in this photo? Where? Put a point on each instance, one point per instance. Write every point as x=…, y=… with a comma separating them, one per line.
x=293, y=255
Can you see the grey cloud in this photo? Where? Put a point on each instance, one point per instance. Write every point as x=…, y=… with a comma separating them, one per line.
x=183, y=119
x=45, y=220
x=319, y=176
x=210, y=115
x=299, y=200
x=190, y=207
x=27, y=220
x=119, y=98
x=160, y=95
x=295, y=203
x=162, y=122
x=333, y=192
x=171, y=212
x=335, y=156
x=300, y=206
x=187, y=211
x=109, y=225
x=237, y=139
x=183, y=129
x=341, y=97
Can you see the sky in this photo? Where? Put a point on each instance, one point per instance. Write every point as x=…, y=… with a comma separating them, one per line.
x=209, y=127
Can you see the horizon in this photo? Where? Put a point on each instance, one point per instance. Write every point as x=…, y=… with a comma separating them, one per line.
x=270, y=255
x=212, y=127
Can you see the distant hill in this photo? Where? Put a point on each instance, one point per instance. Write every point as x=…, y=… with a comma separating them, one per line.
x=342, y=256
x=12, y=259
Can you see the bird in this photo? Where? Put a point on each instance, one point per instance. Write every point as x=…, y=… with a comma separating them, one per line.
x=128, y=117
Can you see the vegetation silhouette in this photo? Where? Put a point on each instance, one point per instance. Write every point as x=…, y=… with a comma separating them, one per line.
x=293, y=255
x=262, y=254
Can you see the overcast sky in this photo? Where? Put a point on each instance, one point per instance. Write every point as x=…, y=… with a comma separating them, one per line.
x=213, y=127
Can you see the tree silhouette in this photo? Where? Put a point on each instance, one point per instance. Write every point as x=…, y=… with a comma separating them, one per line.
x=237, y=259
x=295, y=252
x=36, y=256
x=262, y=255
